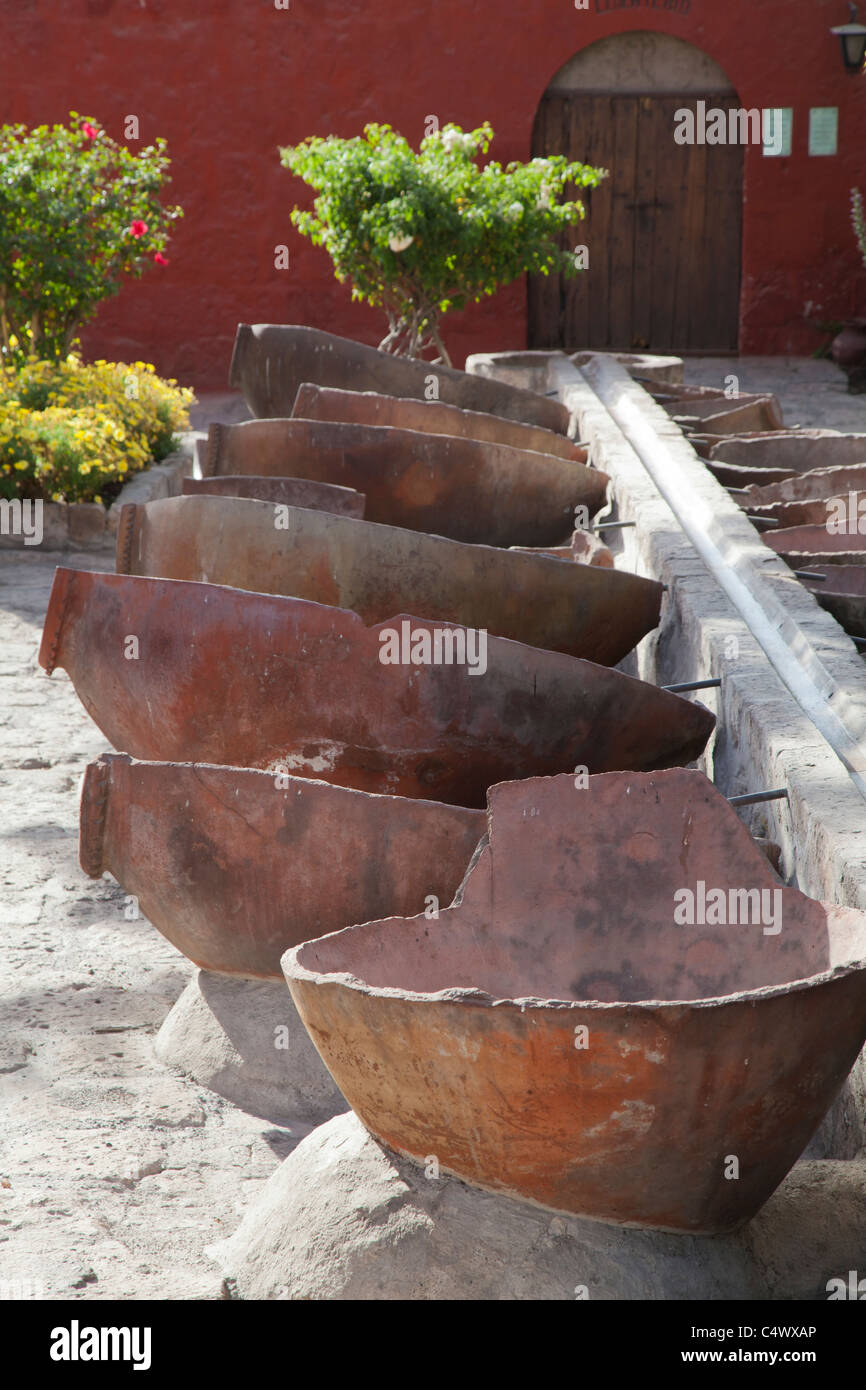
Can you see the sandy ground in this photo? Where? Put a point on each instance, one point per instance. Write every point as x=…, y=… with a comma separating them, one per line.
x=114, y=1174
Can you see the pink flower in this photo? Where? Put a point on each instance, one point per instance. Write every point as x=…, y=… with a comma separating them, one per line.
x=138, y=228
x=160, y=258
x=89, y=130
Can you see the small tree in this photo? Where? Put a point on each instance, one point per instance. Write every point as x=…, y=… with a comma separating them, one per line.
x=419, y=234
x=77, y=213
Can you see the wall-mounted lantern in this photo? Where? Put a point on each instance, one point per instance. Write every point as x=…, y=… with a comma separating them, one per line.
x=852, y=37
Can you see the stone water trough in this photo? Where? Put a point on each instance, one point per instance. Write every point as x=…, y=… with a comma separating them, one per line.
x=285, y=492
x=234, y=865
x=270, y=361
x=176, y=671
x=468, y=490
x=842, y=592
x=577, y=1031
x=315, y=402
x=587, y=611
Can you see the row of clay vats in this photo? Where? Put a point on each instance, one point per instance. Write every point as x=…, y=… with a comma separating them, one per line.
x=805, y=489
x=371, y=619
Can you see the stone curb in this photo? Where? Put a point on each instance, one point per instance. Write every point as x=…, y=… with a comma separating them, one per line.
x=83, y=526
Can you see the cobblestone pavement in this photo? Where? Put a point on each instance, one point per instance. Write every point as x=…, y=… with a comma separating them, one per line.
x=114, y=1174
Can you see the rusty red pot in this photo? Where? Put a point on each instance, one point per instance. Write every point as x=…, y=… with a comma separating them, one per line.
x=848, y=351
x=488, y=494
x=174, y=671
x=599, y=614
x=564, y=1035
x=429, y=417
x=270, y=361
x=284, y=492
x=233, y=866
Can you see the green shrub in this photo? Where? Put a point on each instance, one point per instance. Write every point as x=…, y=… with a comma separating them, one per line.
x=418, y=234
x=78, y=212
x=74, y=432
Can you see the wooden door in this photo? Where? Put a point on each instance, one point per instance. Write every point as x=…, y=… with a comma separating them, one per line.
x=663, y=231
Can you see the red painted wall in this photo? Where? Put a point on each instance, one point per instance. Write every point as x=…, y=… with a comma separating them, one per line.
x=227, y=81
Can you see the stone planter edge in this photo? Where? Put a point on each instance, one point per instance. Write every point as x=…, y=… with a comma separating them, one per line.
x=78, y=526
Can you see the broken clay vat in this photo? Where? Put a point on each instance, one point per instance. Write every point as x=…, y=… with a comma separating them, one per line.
x=488, y=494
x=430, y=417
x=761, y=459
x=715, y=416
x=800, y=546
x=175, y=671
x=284, y=492
x=803, y=500
x=560, y=1036
x=234, y=865
x=270, y=361
x=596, y=613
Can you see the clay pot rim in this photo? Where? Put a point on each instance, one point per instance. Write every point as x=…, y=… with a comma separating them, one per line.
x=541, y=551
x=294, y=970
x=338, y=790
x=66, y=574
x=811, y=473
x=265, y=478
x=821, y=559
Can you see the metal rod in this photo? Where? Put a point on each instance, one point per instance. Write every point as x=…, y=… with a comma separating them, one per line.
x=858, y=641
x=738, y=491
x=806, y=574
x=762, y=520
x=613, y=525
x=693, y=685
x=752, y=798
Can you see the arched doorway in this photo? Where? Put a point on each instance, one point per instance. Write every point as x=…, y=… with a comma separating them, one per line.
x=664, y=231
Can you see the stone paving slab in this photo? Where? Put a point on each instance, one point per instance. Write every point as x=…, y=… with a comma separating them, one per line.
x=114, y=1173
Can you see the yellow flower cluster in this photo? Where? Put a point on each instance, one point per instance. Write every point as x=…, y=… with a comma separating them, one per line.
x=68, y=430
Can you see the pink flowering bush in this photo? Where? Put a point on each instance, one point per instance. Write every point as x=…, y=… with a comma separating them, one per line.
x=78, y=213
